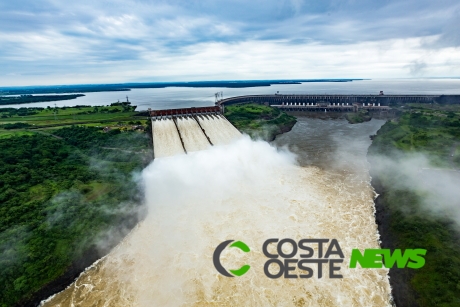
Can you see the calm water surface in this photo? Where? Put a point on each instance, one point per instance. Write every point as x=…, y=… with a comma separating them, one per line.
x=183, y=97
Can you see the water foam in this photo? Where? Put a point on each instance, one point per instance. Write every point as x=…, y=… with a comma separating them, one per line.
x=245, y=191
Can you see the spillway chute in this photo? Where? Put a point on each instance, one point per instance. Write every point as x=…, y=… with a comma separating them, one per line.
x=193, y=137
x=178, y=131
x=166, y=139
x=219, y=130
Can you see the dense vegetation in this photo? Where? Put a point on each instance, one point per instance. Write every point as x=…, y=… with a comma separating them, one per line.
x=358, y=117
x=17, y=125
x=60, y=195
x=9, y=112
x=402, y=209
x=5, y=100
x=259, y=121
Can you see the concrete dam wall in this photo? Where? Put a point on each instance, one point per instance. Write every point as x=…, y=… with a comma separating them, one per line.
x=339, y=103
x=182, y=131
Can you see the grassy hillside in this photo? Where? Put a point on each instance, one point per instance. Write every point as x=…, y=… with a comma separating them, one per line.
x=259, y=121
x=405, y=210
x=29, y=120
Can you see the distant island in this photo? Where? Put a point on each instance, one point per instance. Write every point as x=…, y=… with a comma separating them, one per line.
x=7, y=100
x=88, y=88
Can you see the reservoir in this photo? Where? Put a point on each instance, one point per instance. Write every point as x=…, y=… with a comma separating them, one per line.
x=184, y=97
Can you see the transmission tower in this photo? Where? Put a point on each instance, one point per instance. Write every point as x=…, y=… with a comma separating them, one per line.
x=219, y=96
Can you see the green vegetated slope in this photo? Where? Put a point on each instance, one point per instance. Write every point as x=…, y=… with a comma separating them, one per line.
x=259, y=121
x=59, y=196
x=358, y=117
x=405, y=210
x=26, y=121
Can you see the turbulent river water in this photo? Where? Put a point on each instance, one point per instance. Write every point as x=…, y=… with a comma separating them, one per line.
x=311, y=182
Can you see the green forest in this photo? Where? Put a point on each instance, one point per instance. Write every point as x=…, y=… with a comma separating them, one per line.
x=20, y=99
x=435, y=133
x=259, y=121
x=59, y=195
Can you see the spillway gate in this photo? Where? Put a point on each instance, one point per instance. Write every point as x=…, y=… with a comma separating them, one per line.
x=185, y=130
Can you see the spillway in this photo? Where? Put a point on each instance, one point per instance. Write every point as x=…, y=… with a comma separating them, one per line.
x=167, y=141
x=218, y=129
x=177, y=131
x=193, y=137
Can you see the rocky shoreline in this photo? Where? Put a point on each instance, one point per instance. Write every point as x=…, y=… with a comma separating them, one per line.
x=66, y=279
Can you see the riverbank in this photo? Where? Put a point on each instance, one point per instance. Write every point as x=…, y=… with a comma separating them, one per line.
x=416, y=209
x=78, y=266
x=67, y=199
x=402, y=292
x=23, y=99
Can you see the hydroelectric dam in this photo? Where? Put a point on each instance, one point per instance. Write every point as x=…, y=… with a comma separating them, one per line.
x=179, y=131
x=338, y=102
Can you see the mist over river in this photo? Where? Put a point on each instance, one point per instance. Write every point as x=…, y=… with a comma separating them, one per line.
x=250, y=191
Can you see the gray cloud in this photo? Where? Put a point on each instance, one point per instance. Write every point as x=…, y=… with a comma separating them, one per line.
x=450, y=36
x=81, y=36
x=417, y=68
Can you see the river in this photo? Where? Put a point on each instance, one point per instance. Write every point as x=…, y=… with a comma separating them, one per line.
x=311, y=182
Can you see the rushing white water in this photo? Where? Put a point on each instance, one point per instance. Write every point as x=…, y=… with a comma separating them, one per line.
x=245, y=191
x=170, y=139
x=193, y=137
x=218, y=129
x=166, y=140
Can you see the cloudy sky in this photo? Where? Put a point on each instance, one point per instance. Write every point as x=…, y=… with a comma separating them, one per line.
x=96, y=41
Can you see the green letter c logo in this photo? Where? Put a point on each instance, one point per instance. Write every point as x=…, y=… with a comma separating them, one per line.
x=216, y=258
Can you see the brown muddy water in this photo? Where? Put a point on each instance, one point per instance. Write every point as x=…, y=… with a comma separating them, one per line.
x=249, y=191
